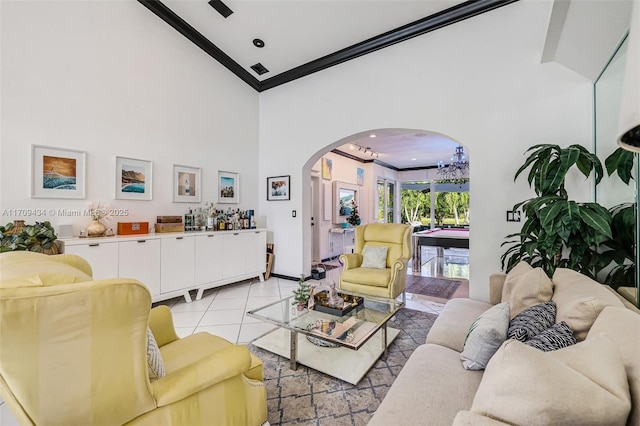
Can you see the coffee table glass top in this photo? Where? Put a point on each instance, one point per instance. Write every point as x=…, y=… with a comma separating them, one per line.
x=362, y=323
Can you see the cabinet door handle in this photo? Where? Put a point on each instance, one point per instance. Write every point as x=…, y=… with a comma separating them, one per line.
x=179, y=238
x=257, y=232
x=94, y=245
x=210, y=236
x=236, y=233
x=142, y=241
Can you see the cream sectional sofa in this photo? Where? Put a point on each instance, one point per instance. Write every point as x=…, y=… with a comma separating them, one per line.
x=597, y=377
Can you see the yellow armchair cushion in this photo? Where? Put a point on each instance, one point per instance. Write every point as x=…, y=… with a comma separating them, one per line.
x=29, y=269
x=374, y=277
x=228, y=362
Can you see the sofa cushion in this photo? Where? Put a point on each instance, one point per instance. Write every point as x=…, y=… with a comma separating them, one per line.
x=374, y=257
x=586, y=381
x=525, y=286
x=622, y=326
x=452, y=325
x=432, y=379
x=485, y=336
x=580, y=300
x=556, y=337
x=532, y=321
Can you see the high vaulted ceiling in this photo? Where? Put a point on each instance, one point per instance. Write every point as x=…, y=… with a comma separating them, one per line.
x=304, y=36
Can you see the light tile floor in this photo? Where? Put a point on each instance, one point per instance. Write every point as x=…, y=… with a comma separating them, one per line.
x=222, y=311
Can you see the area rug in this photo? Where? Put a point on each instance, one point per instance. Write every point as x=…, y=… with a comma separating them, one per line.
x=308, y=397
x=429, y=286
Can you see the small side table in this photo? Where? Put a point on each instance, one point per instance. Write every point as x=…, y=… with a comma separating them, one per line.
x=344, y=232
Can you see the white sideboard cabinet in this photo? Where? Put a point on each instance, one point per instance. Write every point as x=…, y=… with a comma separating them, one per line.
x=102, y=255
x=172, y=264
x=140, y=259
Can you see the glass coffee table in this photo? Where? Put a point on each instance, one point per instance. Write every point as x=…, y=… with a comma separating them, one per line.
x=303, y=336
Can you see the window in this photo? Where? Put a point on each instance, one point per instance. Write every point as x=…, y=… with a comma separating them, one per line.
x=386, y=200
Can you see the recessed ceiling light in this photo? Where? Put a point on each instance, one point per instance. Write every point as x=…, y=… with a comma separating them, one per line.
x=372, y=135
x=413, y=159
x=258, y=43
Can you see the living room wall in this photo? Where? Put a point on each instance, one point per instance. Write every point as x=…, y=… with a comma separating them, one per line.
x=480, y=82
x=111, y=79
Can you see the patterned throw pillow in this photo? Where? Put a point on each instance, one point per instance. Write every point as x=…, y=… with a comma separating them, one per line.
x=154, y=358
x=374, y=257
x=532, y=321
x=555, y=337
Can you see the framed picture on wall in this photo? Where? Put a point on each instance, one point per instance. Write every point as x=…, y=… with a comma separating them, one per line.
x=133, y=179
x=187, y=184
x=327, y=166
x=228, y=187
x=360, y=176
x=278, y=188
x=57, y=172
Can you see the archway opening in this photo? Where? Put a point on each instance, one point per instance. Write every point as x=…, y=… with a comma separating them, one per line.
x=381, y=169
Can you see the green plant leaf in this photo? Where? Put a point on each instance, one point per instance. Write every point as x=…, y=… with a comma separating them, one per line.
x=600, y=223
x=620, y=161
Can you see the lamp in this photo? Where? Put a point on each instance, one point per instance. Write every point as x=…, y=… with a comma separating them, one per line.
x=366, y=150
x=629, y=124
x=457, y=169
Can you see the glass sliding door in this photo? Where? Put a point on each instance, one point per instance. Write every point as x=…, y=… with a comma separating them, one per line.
x=386, y=200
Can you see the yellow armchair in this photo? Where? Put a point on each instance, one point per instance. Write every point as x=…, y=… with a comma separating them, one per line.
x=74, y=351
x=389, y=282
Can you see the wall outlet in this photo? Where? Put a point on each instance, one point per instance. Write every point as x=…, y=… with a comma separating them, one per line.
x=513, y=216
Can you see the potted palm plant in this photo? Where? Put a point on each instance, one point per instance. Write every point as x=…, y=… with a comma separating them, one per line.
x=557, y=231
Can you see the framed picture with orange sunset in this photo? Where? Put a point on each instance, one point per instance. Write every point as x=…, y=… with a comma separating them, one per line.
x=57, y=172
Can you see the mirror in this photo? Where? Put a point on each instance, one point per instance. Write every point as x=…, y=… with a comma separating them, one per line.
x=612, y=191
x=343, y=196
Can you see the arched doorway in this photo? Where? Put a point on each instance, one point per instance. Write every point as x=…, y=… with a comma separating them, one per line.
x=361, y=161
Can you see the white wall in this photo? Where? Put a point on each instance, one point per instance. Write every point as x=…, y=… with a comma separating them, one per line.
x=112, y=79
x=344, y=170
x=479, y=82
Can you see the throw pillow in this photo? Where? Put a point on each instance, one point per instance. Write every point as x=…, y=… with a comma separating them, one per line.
x=524, y=386
x=532, y=321
x=555, y=337
x=374, y=257
x=525, y=288
x=154, y=358
x=485, y=336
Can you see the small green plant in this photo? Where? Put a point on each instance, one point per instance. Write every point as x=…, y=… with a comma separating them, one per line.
x=302, y=293
x=354, y=218
x=39, y=238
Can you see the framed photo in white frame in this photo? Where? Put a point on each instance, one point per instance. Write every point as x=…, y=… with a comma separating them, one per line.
x=187, y=183
x=134, y=179
x=228, y=187
x=57, y=172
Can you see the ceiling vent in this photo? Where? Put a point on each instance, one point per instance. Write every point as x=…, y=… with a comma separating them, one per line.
x=222, y=8
x=259, y=68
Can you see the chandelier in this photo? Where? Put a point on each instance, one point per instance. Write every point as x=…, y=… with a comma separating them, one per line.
x=457, y=169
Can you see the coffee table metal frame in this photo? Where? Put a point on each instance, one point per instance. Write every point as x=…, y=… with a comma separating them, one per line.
x=376, y=313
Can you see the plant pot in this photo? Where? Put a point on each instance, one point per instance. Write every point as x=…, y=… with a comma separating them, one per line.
x=301, y=306
x=96, y=229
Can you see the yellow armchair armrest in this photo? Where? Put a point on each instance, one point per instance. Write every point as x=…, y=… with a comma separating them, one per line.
x=161, y=325
x=351, y=260
x=224, y=364
x=398, y=265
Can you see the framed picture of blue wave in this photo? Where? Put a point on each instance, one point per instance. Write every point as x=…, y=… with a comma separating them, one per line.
x=57, y=172
x=133, y=179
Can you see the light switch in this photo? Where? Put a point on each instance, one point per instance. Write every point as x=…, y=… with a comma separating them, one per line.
x=293, y=213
